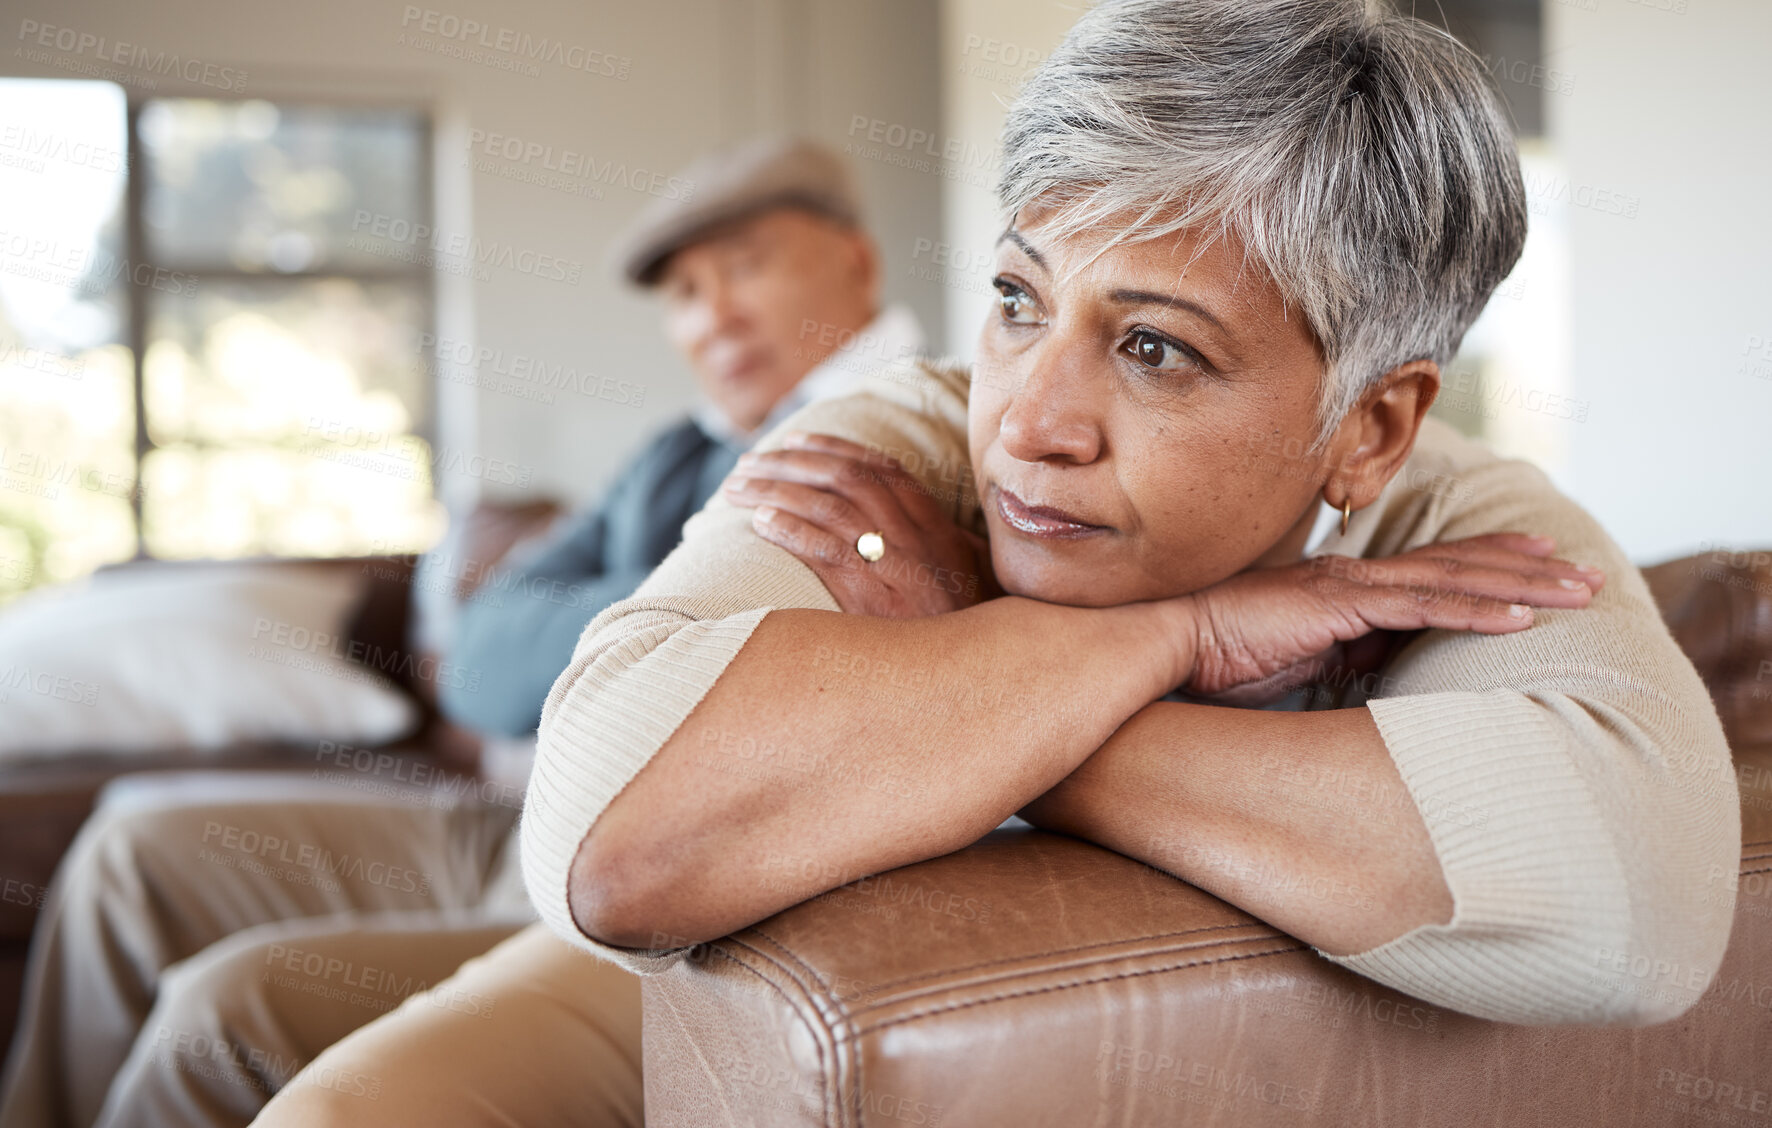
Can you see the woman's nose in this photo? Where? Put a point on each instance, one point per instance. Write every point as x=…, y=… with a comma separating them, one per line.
x=1053, y=410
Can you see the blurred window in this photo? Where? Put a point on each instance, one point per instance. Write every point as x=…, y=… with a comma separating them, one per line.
x=203, y=350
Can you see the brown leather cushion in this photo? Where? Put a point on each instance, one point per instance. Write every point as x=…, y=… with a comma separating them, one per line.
x=1036, y=979
x=1719, y=607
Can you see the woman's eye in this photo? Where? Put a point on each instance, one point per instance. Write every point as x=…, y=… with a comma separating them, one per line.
x=1015, y=303
x=1153, y=351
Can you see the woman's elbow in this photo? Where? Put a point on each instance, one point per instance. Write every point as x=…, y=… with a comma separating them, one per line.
x=1670, y=959
x=1632, y=952
x=1651, y=918
x=1648, y=986
x=1572, y=977
x=1657, y=964
x=627, y=898
x=1681, y=910
x=610, y=900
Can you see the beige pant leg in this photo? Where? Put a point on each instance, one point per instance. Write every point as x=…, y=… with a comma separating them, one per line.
x=147, y=885
x=534, y=1032
x=236, y=1021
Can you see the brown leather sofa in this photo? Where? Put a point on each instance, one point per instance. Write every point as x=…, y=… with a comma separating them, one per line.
x=1035, y=979
x=43, y=801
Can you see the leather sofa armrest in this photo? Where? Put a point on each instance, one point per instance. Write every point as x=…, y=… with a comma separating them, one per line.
x=1028, y=979
x=1033, y=978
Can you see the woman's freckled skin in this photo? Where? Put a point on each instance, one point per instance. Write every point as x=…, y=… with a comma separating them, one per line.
x=1081, y=424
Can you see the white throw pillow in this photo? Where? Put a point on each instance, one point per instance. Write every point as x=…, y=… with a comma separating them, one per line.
x=189, y=656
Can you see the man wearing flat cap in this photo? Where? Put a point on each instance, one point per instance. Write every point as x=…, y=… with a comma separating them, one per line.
x=165, y=992
x=763, y=273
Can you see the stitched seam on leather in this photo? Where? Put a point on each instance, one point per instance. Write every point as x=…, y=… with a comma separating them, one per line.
x=905, y=994
x=860, y=1088
x=1073, y=983
x=813, y=985
x=812, y=976
x=792, y=1009
x=844, y=1037
x=1050, y=952
x=1751, y=872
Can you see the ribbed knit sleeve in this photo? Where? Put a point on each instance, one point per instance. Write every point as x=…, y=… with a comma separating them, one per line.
x=1573, y=776
x=644, y=663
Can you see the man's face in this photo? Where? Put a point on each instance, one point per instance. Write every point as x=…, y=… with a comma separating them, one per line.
x=738, y=303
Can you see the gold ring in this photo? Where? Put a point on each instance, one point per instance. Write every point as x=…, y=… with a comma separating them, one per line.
x=871, y=546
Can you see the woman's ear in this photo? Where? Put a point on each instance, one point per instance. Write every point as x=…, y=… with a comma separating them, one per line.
x=1375, y=439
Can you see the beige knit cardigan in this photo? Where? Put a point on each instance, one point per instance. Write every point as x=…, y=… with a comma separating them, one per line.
x=1573, y=776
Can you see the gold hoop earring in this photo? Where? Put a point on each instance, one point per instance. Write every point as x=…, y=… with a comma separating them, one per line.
x=1347, y=510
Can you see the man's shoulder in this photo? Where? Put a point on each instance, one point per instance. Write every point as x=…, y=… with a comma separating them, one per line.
x=662, y=452
x=665, y=445
x=680, y=431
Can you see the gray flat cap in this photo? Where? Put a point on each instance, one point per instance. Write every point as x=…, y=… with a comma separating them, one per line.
x=732, y=184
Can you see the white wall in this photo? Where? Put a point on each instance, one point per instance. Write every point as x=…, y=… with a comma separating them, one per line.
x=1671, y=109
x=701, y=72
x=988, y=48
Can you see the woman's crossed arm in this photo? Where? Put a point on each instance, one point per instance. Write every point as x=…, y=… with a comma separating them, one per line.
x=837, y=745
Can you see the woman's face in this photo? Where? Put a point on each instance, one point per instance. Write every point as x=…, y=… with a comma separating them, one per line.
x=1153, y=398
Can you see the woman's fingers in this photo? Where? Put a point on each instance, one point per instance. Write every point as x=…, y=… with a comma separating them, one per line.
x=805, y=539
x=1487, y=567
x=1499, y=551
x=1259, y=626
x=1477, y=581
x=877, y=480
x=1413, y=609
x=816, y=503
x=1266, y=690
x=832, y=511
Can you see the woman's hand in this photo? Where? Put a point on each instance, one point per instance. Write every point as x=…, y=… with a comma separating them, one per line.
x=1260, y=633
x=821, y=493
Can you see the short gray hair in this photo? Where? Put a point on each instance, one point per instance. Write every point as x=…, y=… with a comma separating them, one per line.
x=1364, y=158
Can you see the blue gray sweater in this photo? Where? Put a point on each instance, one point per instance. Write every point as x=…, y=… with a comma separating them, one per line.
x=521, y=641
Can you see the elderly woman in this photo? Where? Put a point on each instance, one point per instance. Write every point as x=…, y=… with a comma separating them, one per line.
x=1242, y=241
x=1178, y=547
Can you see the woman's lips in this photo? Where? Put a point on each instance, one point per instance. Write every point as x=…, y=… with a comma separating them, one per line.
x=1041, y=520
